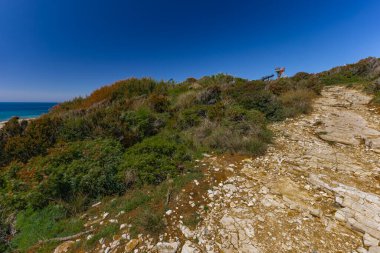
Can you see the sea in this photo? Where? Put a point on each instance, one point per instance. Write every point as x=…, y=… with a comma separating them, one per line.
x=24, y=110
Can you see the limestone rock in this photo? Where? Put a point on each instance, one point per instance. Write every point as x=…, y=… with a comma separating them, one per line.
x=64, y=247
x=131, y=245
x=186, y=231
x=370, y=241
x=374, y=249
x=190, y=247
x=166, y=247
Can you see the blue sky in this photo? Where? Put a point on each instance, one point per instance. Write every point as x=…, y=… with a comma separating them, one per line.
x=54, y=50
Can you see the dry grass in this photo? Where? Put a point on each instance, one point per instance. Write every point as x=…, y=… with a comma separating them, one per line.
x=185, y=100
x=297, y=102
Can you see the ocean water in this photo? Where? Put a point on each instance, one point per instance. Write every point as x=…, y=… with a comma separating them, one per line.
x=23, y=110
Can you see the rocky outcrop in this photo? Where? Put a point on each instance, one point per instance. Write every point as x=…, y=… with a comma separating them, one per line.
x=361, y=210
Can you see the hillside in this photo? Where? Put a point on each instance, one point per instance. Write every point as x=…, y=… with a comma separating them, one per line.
x=141, y=161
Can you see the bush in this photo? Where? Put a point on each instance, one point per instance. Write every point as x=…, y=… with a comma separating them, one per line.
x=242, y=131
x=228, y=139
x=141, y=123
x=185, y=100
x=85, y=168
x=37, y=137
x=156, y=158
x=209, y=96
x=263, y=101
x=13, y=127
x=159, y=103
x=297, y=102
x=299, y=81
x=191, y=117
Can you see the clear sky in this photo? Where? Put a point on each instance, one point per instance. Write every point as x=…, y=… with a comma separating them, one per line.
x=53, y=50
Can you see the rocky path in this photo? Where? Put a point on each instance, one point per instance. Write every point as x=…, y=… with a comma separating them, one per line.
x=316, y=190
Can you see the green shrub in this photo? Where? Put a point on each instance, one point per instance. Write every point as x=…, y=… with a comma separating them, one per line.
x=84, y=168
x=297, y=102
x=141, y=123
x=156, y=158
x=37, y=137
x=209, y=96
x=191, y=117
x=14, y=127
x=76, y=128
x=159, y=103
x=263, y=101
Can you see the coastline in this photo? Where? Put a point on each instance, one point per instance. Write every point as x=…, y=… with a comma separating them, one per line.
x=2, y=123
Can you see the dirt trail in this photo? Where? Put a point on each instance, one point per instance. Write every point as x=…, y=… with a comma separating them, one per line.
x=316, y=190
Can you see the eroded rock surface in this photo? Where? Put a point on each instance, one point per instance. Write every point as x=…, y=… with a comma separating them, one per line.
x=316, y=190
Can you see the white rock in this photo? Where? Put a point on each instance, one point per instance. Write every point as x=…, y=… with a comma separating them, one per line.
x=369, y=240
x=105, y=215
x=340, y=216
x=186, y=231
x=189, y=247
x=374, y=249
x=166, y=247
x=122, y=226
x=264, y=190
x=114, y=244
x=96, y=204
x=361, y=250
x=169, y=212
